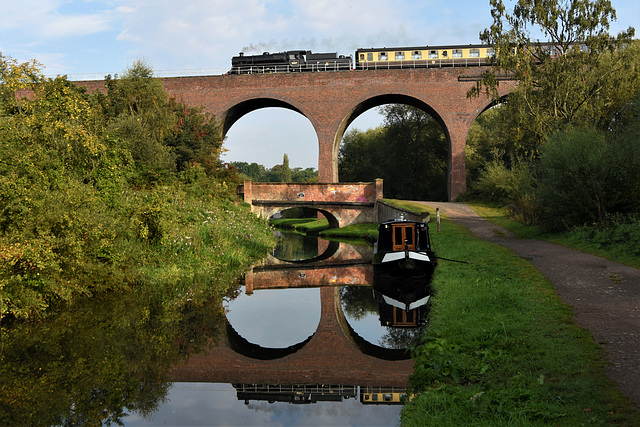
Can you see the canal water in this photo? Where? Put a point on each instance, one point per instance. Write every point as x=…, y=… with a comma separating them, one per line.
x=311, y=336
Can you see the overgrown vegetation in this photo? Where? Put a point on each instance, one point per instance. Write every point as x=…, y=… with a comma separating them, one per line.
x=561, y=150
x=409, y=152
x=501, y=349
x=102, y=192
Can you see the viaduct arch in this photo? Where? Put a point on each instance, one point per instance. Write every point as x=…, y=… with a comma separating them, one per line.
x=331, y=101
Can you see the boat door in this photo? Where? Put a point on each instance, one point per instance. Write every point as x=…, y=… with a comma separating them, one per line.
x=402, y=233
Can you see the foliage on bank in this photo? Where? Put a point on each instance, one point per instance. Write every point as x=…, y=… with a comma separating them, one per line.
x=562, y=149
x=111, y=191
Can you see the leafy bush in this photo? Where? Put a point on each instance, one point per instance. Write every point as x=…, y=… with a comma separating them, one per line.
x=101, y=192
x=578, y=178
x=509, y=187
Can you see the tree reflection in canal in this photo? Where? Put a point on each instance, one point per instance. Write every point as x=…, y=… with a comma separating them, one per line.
x=138, y=360
x=99, y=359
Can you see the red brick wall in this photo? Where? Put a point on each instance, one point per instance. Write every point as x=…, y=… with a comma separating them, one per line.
x=330, y=357
x=332, y=100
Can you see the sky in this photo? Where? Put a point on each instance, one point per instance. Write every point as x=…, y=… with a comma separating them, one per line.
x=88, y=39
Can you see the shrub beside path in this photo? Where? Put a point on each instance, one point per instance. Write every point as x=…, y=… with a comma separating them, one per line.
x=605, y=295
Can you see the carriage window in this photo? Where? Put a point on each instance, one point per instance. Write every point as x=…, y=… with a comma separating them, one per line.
x=491, y=52
x=433, y=54
x=474, y=53
x=456, y=53
x=383, y=56
x=416, y=54
x=399, y=56
x=362, y=57
x=369, y=56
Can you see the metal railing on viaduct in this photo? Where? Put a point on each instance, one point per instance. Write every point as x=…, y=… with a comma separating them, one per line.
x=331, y=101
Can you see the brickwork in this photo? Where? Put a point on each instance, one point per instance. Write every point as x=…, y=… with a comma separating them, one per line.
x=342, y=203
x=332, y=100
x=307, y=277
x=330, y=357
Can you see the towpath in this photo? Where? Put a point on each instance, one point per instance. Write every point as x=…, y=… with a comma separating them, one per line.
x=605, y=295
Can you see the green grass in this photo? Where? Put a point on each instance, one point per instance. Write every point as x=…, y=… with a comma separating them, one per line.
x=363, y=233
x=356, y=232
x=303, y=225
x=501, y=349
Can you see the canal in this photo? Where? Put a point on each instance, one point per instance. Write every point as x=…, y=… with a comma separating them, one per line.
x=311, y=336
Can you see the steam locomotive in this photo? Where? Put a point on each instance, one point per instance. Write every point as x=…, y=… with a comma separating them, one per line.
x=289, y=61
x=365, y=59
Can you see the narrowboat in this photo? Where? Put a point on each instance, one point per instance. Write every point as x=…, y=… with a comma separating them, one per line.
x=404, y=245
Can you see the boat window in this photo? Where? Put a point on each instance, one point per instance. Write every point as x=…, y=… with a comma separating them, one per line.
x=397, y=238
x=456, y=53
x=403, y=234
x=433, y=54
x=416, y=54
x=404, y=318
x=383, y=56
x=399, y=56
x=474, y=53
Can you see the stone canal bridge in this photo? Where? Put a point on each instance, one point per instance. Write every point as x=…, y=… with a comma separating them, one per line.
x=333, y=100
x=341, y=203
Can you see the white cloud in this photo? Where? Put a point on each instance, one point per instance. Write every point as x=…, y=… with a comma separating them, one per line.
x=44, y=19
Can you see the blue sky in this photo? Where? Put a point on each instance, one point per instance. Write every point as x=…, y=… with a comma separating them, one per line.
x=90, y=38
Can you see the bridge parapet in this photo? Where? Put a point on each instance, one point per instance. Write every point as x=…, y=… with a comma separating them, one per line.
x=342, y=203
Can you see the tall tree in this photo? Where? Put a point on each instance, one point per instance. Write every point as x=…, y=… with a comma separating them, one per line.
x=577, y=74
x=286, y=170
x=409, y=153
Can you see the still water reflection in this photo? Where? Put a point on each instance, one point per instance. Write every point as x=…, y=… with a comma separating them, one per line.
x=312, y=337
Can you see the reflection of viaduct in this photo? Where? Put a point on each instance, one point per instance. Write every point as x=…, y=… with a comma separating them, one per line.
x=333, y=100
x=330, y=356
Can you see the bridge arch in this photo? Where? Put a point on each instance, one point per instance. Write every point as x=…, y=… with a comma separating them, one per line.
x=379, y=100
x=235, y=112
x=383, y=99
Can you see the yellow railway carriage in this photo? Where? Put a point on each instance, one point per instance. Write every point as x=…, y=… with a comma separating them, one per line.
x=424, y=56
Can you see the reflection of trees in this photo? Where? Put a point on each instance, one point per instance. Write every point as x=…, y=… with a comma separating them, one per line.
x=358, y=301
x=92, y=363
x=295, y=247
x=400, y=337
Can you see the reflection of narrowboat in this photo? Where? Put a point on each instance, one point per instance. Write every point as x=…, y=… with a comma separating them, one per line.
x=403, y=297
x=404, y=245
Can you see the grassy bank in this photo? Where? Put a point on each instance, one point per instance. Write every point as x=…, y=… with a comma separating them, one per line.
x=501, y=349
x=357, y=232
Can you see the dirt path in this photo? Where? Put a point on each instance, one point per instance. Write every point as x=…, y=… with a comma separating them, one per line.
x=605, y=295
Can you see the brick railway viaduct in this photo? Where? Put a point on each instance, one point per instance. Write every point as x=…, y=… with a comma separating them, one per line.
x=331, y=101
